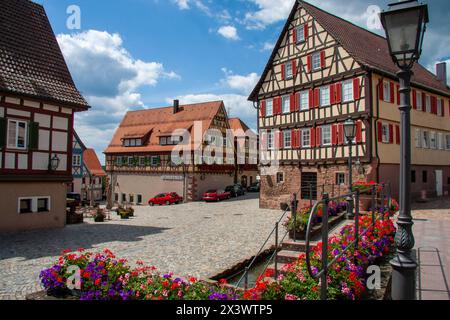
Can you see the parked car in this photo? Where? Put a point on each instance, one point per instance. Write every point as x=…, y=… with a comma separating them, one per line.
x=216, y=195
x=75, y=197
x=166, y=198
x=255, y=187
x=236, y=191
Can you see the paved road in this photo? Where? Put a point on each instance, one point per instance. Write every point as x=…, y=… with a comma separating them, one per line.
x=196, y=239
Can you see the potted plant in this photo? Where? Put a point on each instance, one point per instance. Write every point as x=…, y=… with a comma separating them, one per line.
x=124, y=215
x=299, y=224
x=99, y=215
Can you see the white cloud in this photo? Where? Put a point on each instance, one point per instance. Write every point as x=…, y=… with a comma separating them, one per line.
x=268, y=46
x=244, y=84
x=182, y=4
x=228, y=32
x=109, y=78
x=268, y=12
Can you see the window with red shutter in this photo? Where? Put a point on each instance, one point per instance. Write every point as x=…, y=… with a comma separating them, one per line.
x=391, y=134
x=398, y=94
x=292, y=102
x=338, y=92
x=263, y=108
x=294, y=68
x=332, y=94
x=381, y=90
x=397, y=134
x=311, y=99
x=313, y=137
x=306, y=30
x=283, y=72
x=318, y=136
x=294, y=35
x=341, y=134
x=356, y=89
x=414, y=99
x=392, y=88
x=380, y=132
x=316, y=97
x=322, y=59
x=309, y=63
x=359, y=135
x=334, y=134
x=297, y=101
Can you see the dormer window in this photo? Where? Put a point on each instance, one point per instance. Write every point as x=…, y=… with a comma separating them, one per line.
x=132, y=142
x=170, y=141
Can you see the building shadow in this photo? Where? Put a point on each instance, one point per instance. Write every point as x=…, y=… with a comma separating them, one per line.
x=433, y=204
x=50, y=243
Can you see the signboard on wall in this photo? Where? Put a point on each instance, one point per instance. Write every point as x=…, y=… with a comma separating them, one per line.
x=172, y=178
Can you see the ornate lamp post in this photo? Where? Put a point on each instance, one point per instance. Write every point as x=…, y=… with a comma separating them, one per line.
x=54, y=163
x=350, y=133
x=405, y=25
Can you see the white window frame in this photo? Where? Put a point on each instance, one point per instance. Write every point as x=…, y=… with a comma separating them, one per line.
x=439, y=107
x=270, y=140
x=34, y=204
x=316, y=63
x=440, y=141
x=387, y=91
x=347, y=91
x=280, y=174
x=76, y=160
x=126, y=142
x=289, y=73
x=286, y=104
x=306, y=133
x=326, y=139
x=425, y=139
x=419, y=101
x=433, y=140
x=269, y=107
x=16, y=138
x=287, y=139
x=386, y=133
x=325, y=96
x=304, y=100
x=301, y=34
x=153, y=162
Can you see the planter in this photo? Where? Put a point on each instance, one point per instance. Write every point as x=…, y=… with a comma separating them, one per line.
x=317, y=228
x=99, y=219
x=365, y=203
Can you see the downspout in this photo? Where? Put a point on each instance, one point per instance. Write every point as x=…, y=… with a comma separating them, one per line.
x=377, y=155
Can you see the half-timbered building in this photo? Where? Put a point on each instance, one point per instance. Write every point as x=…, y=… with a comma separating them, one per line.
x=140, y=160
x=78, y=149
x=324, y=70
x=38, y=99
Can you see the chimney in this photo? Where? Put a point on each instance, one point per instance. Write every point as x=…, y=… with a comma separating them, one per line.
x=176, y=106
x=441, y=72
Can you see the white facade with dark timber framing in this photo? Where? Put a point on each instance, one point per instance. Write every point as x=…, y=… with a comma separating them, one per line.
x=322, y=71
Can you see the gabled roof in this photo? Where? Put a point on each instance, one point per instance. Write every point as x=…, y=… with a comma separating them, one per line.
x=161, y=122
x=367, y=48
x=77, y=137
x=31, y=62
x=237, y=124
x=92, y=164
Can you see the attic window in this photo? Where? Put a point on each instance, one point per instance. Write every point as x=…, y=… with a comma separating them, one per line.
x=170, y=141
x=132, y=142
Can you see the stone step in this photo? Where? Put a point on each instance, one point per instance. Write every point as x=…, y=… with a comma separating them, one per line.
x=299, y=246
x=279, y=267
x=287, y=256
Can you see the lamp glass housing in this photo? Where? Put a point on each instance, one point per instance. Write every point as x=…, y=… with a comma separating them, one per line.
x=350, y=129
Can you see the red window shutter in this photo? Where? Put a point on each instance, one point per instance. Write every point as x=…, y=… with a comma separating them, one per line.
x=338, y=92
x=424, y=102
x=263, y=108
x=283, y=72
x=275, y=105
x=322, y=59
x=334, y=134
x=397, y=134
x=294, y=68
x=309, y=63
x=292, y=102
x=294, y=35
x=299, y=138
x=316, y=97
x=398, y=94
x=311, y=99
x=280, y=140
x=380, y=132
x=381, y=90
x=313, y=137
x=293, y=137
x=318, y=136
x=391, y=134
x=359, y=132
x=279, y=105
x=414, y=99
x=434, y=105
x=392, y=88
x=341, y=134
x=333, y=94
x=356, y=89
x=306, y=30
x=297, y=101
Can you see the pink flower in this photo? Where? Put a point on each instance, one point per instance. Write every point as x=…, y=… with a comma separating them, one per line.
x=290, y=297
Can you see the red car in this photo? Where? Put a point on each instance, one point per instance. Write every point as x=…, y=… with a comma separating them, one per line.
x=216, y=195
x=166, y=198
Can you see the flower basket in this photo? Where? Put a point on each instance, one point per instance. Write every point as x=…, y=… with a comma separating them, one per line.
x=365, y=203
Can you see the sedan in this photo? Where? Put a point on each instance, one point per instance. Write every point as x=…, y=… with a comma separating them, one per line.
x=166, y=198
x=216, y=195
x=256, y=187
x=235, y=191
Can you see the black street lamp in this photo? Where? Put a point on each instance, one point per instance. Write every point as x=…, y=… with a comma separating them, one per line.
x=405, y=25
x=350, y=133
x=54, y=163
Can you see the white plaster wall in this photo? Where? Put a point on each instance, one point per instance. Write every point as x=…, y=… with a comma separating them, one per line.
x=59, y=141
x=42, y=119
x=60, y=123
x=40, y=161
x=23, y=162
x=44, y=140
x=10, y=161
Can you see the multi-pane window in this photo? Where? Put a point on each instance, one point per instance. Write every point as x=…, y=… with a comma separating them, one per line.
x=325, y=96
x=306, y=138
x=425, y=139
x=280, y=177
x=439, y=108
x=17, y=134
x=34, y=205
x=43, y=204
x=155, y=161
x=419, y=101
x=286, y=102
x=142, y=161
x=347, y=91
x=428, y=103
x=301, y=34
x=387, y=91
x=139, y=199
x=418, y=138
x=132, y=142
x=287, y=138
x=433, y=140
x=76, y=160
x=309, y=185
x=386, y=134
x=119, y=161
x=269, y=107
x=316, y=63
x=326, y=135
x=340, y=178
x=304, y=100
x=270, y=140
x=25, y=205
x=288, y=70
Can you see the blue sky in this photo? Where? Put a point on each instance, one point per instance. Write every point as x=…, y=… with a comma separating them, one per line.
x=134, y=54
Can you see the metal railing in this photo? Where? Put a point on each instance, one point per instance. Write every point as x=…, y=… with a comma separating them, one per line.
x=385, y=193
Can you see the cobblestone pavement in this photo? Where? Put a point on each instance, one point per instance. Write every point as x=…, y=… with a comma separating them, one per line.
x=196, y=239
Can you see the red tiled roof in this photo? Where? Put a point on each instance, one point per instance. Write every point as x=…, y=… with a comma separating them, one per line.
x=31, y=62
x=92, y=163
x=159, y=122
x=369, y=49
x=237, y=124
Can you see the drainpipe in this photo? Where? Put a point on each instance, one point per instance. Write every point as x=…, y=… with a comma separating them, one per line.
x=377, y=155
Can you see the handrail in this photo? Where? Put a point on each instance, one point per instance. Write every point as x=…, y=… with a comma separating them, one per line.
x=325, y=201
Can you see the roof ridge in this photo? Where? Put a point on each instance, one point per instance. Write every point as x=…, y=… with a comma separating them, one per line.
x=181, y=105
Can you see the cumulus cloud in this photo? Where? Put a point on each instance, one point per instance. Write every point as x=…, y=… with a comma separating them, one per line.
x=182, y=4
x=228, y=32
x=109, y=78
x=268, y=12
x=242, y=83
x=268, y=46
